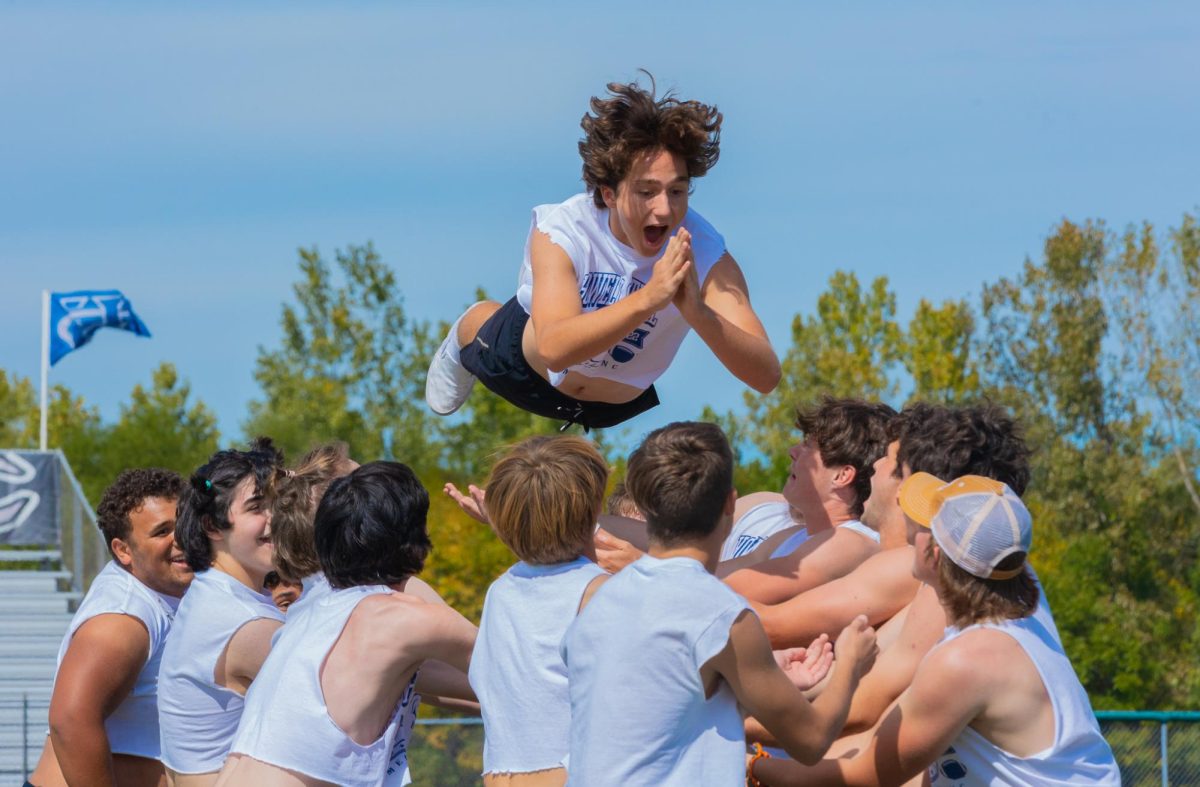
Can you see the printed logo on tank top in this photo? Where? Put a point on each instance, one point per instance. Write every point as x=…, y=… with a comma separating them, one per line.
x=947, y=771
x=600, y=289
x=398, y=758
x=746, y=544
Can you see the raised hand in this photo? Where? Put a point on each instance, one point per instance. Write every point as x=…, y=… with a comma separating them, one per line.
x=471, y=503
x=670, y=271
x=687, y=297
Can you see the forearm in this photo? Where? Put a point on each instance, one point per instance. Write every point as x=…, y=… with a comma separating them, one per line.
x=749, y=357
x=830, y=709
x=566, y=342
x=82, y=749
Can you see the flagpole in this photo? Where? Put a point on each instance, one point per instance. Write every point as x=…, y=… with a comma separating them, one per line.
x=45, y=361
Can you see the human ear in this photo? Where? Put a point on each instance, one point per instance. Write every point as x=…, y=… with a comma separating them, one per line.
x=122, y=552
x=845, y=475
x=609, y=195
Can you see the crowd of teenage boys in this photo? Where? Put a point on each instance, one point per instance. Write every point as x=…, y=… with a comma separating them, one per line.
x=875, y=622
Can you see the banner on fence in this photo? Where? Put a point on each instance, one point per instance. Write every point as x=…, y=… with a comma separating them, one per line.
x=28, y=498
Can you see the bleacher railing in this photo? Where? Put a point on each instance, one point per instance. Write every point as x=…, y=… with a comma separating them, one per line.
x=1152, y=747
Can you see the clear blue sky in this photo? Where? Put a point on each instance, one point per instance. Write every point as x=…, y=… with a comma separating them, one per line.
x=182, y=154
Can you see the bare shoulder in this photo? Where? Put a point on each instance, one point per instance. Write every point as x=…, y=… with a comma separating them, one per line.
x=111, y=631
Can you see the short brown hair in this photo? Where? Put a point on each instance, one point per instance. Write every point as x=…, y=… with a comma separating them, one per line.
x=632, y=121
x=297, y=494
x=849, y=432
x=544, y=496
x=680, y=477
x=970, y=599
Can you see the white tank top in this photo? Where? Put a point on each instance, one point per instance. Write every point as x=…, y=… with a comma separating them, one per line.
x=516, y=669
x=1079, y=754
x=633, y=655
x=608, y=270
x=133, y=727
x=286, y=722
x=756, y=526
x=197, y=717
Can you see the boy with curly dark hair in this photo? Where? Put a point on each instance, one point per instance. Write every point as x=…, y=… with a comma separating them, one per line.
x=613, y=279
x=103, y=718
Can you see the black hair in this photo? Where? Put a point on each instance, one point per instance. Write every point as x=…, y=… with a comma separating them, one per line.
x=981, y=440
x=370, y=526
x=204, y=506
x=128, y=493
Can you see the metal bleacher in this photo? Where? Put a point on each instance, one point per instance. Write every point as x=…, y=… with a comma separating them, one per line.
x=40, y=588
x=35, y=609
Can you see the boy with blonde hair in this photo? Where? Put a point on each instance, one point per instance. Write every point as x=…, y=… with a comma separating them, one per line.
x=542, y=500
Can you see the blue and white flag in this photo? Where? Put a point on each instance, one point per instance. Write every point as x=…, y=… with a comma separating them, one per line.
x=76, y=316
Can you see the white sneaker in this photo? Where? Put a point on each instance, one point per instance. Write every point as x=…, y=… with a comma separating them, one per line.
x=448, y=384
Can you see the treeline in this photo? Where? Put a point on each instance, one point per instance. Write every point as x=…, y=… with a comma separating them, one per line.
x=1095, y=345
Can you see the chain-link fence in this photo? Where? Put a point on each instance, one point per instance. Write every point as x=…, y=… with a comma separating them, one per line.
x=1152, y=748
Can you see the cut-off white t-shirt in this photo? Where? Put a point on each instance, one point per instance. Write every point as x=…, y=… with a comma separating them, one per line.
x=607, y=271
x=197, y=716
x=133, y=727
x=639, y=714
x=517, y=671
x=286, y=722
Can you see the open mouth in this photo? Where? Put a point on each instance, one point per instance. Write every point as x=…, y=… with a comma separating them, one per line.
x=177, y=560
x=655, y=234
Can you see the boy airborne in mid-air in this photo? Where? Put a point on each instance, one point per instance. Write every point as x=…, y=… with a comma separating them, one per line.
x=613, y=279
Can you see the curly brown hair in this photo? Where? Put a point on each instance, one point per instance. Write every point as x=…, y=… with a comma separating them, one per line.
x=632, y=120
x=128, y=493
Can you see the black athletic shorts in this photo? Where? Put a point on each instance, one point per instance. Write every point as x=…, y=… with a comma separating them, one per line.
x=497, y=360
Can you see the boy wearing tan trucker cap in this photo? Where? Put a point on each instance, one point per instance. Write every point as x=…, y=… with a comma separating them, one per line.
x=996, y=701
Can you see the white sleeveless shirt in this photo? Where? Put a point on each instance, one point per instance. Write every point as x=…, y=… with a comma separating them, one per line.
x=756, y=526
x=517, y=671
x=639, y=715
x=286, y=722
x=1079, y=754
x=608, y=270
x=133, y=727
x=198, y=717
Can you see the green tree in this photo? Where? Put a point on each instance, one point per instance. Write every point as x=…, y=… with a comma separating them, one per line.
x=937, y=352
x=1105, y=495
x=349, y=364
x=848, y=348
x=162, y=426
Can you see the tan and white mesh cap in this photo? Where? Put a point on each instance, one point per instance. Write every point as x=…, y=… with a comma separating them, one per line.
x=977, y=522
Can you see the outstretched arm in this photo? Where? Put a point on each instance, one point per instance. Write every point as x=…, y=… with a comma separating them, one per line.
x=894, y=670
x=719, y=311
x=878, y=589
x=821, y=559
x=945, y=697
x=98, y=671
x=804, y=729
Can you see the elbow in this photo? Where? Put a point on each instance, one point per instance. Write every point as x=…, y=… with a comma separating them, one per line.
x=770, y=377
x=552, y=353
x=765, y=376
